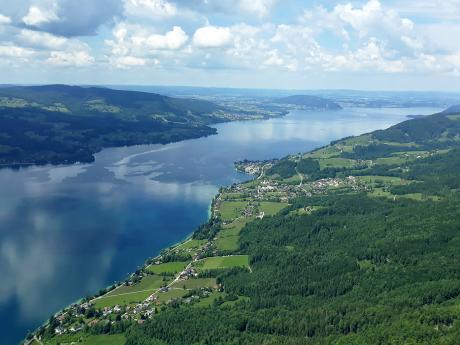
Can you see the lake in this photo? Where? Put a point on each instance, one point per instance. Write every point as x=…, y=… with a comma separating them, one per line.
x=68, y=231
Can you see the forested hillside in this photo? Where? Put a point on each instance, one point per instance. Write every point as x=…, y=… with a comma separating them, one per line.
x=354, y=243
x=63, y=124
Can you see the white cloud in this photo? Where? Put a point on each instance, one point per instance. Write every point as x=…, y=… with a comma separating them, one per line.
x=432, y=9
x=237, y=8
x=172, y=40
x=273, y=59
x=10, y=50
x=212, y=37
x=361, y=23
x=4, y=19
x=261, y=8
x=136, y=45
x=128, y=61
x=76, y=58
x=152, y=9
x=36, y=16
x=42, y=39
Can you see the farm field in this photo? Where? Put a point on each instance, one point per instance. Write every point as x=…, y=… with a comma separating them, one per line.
x=169, y=268
x=113, y=339
x=130, y=298
x=149, y=282
x=131, y=294
x=219, y=262
x=231, y=209
x=272, y=208
x=227, y=238
x=171, y=294
x=195, y=283
x=336, y=162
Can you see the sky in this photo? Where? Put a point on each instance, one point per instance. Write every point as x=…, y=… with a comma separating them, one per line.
x=276, y=44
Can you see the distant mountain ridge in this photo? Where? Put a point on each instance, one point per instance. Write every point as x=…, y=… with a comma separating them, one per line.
x=66, y=124
x=139, y=103
x=455, y=109
x=309, y=102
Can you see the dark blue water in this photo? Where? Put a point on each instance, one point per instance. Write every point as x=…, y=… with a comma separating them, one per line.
x=68, y=231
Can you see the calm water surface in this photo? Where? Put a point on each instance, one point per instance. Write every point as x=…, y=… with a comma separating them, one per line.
x=67, y=231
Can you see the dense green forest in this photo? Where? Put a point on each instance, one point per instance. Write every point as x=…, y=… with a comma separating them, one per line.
x=66, y=124
x=373, y=259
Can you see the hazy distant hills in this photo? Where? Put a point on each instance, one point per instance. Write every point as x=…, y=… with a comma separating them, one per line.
x=95, y=100
x=309, y=102
x=455, y=109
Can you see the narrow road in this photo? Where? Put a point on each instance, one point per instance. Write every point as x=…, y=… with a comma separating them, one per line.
x=301, y=177
x=262, y=173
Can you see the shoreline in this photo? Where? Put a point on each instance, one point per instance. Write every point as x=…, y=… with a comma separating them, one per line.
x=187, y=237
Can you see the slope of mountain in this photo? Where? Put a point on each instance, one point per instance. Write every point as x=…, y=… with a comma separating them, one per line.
x=353, y=243
x=309, y=102
x=455, y=109
x=66, y=124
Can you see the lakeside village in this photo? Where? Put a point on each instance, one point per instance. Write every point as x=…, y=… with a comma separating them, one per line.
x=187, y=274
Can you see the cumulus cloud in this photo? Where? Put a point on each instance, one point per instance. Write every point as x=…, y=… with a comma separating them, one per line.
x=370, y=20
x=135, y=45
x=77, y=58
x=128, y=61
x=261, y=8
x=348, y=36
x=4, y=19
x=42, y=39
x=37, y=16
x=10, y=50
x=172, y=40
x=71, y=18
x=153, y=9
x=212, y=37
x=246, y=8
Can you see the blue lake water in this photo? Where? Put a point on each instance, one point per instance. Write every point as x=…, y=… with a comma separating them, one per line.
x=68, y=231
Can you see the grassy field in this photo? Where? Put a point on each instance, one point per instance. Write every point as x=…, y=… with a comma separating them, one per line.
x=391, y=160
x=168, y=267
x=150, y=282
x=131, y=294
x=325, y=152
x=195, y=283
x=336, y=162
x=227, y=238
x=190, y=246
x=171, y=294
x=270, y=208
x=384, y=179
x=295, y=179
x=115, y=339
x=231, y=209
x=83, y=339
x=207, y=301
x=223, y=262
x=114, y=300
